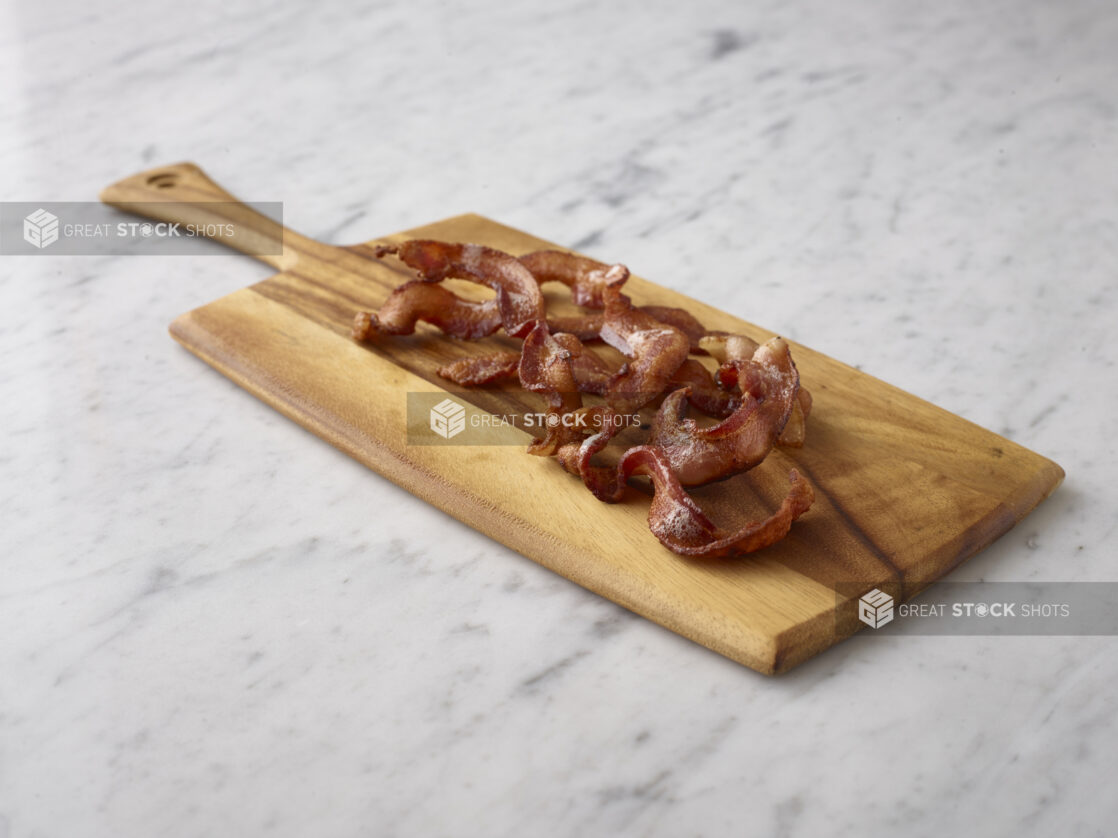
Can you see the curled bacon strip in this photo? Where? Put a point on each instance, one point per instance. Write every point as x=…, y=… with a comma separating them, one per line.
x=592, y=374
x=730, y=351
x=589, y=326
x=481, y=369
x=726, y=347
x=519, y=300
x=417, y=300
x=681, y=319
x=583, y=326
x=742, y=440
x=545, y=368
x=606, y=484
x=656, y=348
x=676, y=520
x=587, y=278
x=702, y=391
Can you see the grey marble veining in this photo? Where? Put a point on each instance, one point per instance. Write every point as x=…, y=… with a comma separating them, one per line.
x=213, y=623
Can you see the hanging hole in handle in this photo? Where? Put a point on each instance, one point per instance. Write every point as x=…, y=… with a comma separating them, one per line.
x=163, y=180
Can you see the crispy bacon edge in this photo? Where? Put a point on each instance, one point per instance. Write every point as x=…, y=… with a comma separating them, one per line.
x=519, y=299
x=587, y=278
x=729, y=350
x=545, y=368
x=681, y=526
x=418, y=300
x=702, y=391
x=481, y=369
x=742, y=440
x=673, y=516
x=588, y=326
x=657, y=350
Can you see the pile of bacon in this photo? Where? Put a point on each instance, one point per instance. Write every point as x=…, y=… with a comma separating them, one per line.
x=755, y=392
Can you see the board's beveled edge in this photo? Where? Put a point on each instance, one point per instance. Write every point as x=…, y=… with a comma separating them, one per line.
x=793, y=646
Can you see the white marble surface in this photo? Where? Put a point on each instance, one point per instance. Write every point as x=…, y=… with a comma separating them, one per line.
x=213, y=624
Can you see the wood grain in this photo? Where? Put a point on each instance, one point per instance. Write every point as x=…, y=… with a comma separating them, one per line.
x=905, y=490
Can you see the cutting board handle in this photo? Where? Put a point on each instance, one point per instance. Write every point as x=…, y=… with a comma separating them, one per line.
x=185, y=194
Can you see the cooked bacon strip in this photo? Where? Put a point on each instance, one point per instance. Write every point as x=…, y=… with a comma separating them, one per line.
x=676, y=520
x=545, y=368
x=702, y=391
x=591, y=373
x=583, y=326
x=795, y=432
x=587, y=278
x=588, y=326
x=729, y=350
x=416, y=300
x=656, y=348
x=606, y=484
x=742, y=440
x=726, y=347
x=681, y=319
x=518, y=294
x=481, y=369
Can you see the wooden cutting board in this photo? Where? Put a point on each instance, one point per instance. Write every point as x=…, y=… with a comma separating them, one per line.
x=905, y=490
